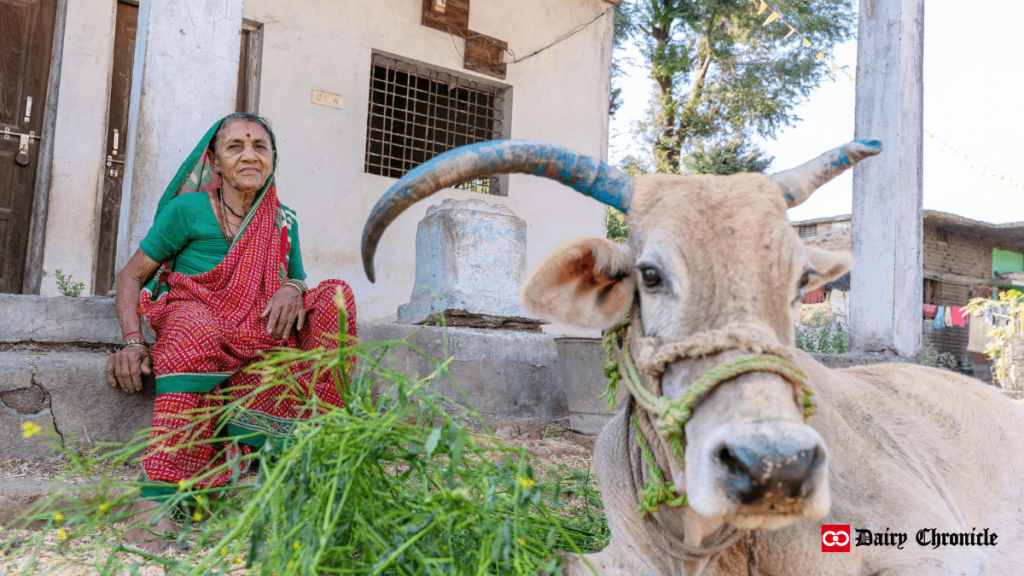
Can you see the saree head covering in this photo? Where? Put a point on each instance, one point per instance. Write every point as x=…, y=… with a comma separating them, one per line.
x=208, y=328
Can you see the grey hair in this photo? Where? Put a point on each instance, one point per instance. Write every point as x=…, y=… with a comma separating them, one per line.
x=248, y=117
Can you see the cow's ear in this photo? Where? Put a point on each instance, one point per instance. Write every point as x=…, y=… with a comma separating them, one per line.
x=829, y=265
x=587, y=283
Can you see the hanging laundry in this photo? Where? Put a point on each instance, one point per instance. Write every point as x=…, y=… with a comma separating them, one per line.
x=947, y=318
x=816, y=296
x=958, y=316
x=939, y=313
x=929, y=310
x=977, y=337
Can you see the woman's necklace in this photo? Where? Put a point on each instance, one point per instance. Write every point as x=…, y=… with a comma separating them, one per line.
x=224, y=204
x=226, y=229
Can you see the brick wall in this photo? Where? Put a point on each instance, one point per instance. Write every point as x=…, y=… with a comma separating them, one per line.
x=951, y=339
x=956, y=253
x=830, y=235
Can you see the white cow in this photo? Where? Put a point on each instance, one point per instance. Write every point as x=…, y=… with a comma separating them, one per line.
x=714, y=444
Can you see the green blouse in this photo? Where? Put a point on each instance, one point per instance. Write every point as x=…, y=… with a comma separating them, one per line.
x=187, y=231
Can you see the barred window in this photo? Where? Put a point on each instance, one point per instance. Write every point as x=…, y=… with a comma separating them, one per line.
x=417, y=112
x=809, y=231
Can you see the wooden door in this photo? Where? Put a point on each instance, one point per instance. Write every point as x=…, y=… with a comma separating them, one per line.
x=117, y=145
x=26, y=43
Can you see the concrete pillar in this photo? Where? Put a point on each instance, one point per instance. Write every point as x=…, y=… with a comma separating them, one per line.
x=184, y=79
x=470, y=265
x=886, y=292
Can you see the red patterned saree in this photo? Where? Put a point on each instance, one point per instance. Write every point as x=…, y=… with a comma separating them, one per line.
x=208, y=330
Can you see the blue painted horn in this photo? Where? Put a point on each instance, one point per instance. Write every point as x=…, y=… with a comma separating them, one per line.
x=799, y=183
x=586, y=175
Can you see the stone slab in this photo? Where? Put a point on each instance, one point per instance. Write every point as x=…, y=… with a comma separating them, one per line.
x=60, y=320
x=28, y=318
x=502, y=372
x=78, y=403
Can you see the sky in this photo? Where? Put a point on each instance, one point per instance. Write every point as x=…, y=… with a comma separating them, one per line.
x=973, y=100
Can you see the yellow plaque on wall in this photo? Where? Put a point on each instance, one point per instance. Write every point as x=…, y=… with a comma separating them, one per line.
x=327, y=99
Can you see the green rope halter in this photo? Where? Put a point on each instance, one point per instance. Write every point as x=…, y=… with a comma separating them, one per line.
x=671, y=415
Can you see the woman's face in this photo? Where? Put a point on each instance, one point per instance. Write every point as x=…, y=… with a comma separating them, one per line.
x=244, y=156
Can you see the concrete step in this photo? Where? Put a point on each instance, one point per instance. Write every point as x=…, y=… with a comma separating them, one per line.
x=67, y=395
x=53, y=373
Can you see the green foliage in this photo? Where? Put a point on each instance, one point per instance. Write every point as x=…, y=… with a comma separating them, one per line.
x=822, y=333
x=1002, y=335
x=721, y=76
x=67, y=287
x=929, y=356
x=619, y=37
x=616, y=228
x=390, y=484
x=725, y=159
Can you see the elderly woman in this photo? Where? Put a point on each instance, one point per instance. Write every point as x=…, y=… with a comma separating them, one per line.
x=219, y=278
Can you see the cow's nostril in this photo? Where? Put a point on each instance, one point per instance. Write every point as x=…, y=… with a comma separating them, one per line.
x=742, y=466
x=728, y=459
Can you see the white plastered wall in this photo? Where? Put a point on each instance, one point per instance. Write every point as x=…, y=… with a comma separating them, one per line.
x=78, y=147
x=560, y=96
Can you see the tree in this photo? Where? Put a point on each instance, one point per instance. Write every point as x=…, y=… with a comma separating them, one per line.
x=616, y=228
x=723, y=77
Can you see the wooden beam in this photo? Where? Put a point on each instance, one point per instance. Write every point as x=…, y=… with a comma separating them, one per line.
x=958, y=279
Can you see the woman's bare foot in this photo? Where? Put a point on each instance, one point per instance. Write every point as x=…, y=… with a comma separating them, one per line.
x=143, y=539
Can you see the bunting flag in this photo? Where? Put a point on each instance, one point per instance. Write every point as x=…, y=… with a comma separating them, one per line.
x=763, y=6
x=974, y=164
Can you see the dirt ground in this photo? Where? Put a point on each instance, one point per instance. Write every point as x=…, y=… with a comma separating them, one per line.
x=558, y=452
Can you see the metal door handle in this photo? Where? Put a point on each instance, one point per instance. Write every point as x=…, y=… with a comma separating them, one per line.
x=117, y=136
x=28, y=109
x=22, y=157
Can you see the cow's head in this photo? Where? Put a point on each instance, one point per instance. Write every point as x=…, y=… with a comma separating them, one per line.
x=705, y=253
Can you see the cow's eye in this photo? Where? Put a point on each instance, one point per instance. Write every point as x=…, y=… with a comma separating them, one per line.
x=650, y=276
x=804, y=279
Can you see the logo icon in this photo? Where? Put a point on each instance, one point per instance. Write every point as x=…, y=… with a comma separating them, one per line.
x=835, y=537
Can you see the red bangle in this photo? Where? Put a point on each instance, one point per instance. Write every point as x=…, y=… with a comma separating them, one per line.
x=125, y=337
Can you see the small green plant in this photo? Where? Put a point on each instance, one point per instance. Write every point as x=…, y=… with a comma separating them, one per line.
x=66, y=286
x=929, y=356
x=821, y=332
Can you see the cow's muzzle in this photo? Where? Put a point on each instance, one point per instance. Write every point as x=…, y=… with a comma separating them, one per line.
x=761, y=475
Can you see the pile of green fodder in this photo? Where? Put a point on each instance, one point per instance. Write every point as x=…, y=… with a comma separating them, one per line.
x=389, y=484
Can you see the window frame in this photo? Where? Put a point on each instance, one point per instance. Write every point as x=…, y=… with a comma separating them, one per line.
x=412, y=66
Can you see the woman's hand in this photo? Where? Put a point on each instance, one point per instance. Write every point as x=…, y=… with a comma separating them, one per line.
x=285, y=310
x=127, y=367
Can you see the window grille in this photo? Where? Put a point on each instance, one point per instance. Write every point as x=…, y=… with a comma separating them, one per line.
x=417, y=112
x=809, y=231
